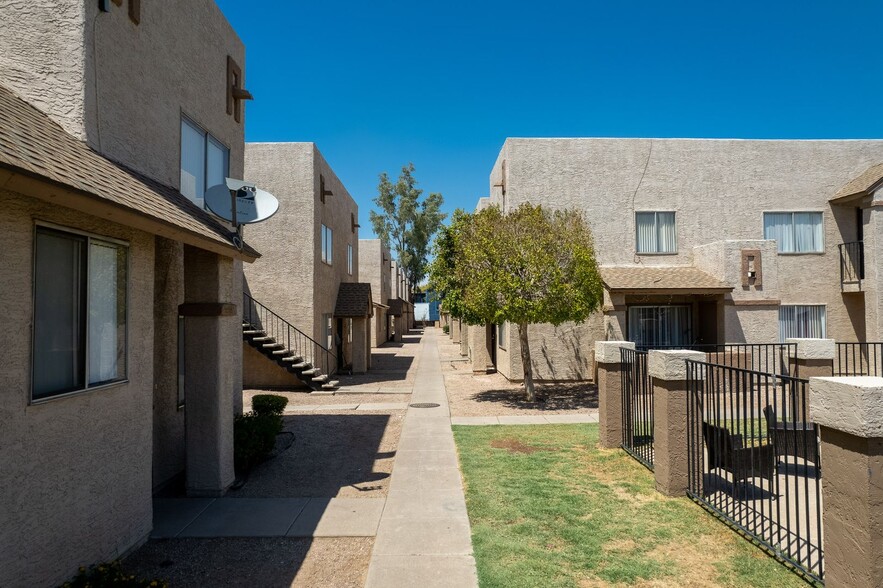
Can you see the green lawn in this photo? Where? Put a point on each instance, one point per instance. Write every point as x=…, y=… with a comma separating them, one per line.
x=550, y=509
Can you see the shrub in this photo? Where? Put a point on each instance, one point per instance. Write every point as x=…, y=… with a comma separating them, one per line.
x=254, y=433
x=110, y=574
x=446, y=329
x=268, y=404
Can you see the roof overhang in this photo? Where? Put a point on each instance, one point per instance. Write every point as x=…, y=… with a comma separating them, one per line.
x=47, y=190
x=662, y=280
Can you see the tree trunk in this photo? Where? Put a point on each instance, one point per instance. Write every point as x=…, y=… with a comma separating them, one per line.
x=525, y=362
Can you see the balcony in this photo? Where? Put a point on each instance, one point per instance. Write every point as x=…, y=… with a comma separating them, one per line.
x=852, y=266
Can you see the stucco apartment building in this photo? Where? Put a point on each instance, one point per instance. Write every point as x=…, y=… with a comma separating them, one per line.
x=121, y=365
x=309, y=270
x=375, y=260
x=703, y=241
x=401, y=307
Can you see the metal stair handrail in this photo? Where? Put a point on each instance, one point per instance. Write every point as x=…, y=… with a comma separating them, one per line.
x=262, y=318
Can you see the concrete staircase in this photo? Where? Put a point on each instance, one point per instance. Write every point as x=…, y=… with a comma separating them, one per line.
x=281, y=342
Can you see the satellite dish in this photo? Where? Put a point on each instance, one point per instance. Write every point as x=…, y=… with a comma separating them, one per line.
x=250, y=203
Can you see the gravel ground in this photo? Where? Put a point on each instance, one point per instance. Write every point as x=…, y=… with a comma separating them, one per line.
x=494, y=395
x=335, y=454
x=265, y=562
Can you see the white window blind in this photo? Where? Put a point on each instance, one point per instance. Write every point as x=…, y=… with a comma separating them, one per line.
x=795, y=232
x=655, y=232
x=802, y=321
x=651, y=326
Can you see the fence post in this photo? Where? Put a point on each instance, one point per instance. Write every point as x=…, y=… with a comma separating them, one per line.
x=668, y=376
x=814, y=357
x=849, y=412
x=608, y=359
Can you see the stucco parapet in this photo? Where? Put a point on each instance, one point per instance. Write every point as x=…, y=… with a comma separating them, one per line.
x=671, y=364
x=608, y=351
x=814, y=348
x=853, y=405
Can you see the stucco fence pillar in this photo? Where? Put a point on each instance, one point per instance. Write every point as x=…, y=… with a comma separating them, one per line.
x=455, y=331
x=361, y=350
x=814, y=357
x=608, y=359
x=463, y=332
x=849, y=412
x=669, y=380
x=481, y=359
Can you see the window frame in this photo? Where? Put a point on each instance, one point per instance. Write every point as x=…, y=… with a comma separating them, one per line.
x=87, y=388
x=630, y=323
x=821, y=213
x=207, y=139
x=349, y=258
x=502, y=334
x=674, y=213
x=823, y=305
x=327, y=245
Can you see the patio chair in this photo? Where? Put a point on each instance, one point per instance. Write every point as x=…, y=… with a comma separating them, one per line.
x=798, y=439
x=727, y=452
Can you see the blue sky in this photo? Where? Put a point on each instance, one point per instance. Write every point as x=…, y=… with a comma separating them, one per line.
x=442, y=84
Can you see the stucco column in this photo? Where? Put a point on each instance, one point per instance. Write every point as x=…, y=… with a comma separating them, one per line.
x=455, y=331
x=213, y=348
x=668, y=376
x=399, y=329
x=609, y=362
x=464, y=339
x=481, y=359
x=849, y=412
x=814, y=357
x=361, y=349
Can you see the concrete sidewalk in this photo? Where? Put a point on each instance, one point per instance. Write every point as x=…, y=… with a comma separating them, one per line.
x=539, y=419
x=424, y=537
x=266, y=517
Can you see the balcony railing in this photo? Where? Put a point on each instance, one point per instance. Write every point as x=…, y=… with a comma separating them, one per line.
x=852, y=264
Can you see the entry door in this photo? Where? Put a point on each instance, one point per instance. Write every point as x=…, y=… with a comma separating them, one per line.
x=707, y=323
x=660, y=326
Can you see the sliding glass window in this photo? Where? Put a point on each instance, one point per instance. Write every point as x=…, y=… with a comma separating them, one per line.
x=80, y=297
x=655, y=232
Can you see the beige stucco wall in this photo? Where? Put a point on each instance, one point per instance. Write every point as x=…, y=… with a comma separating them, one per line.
x=337, y=213
x=719, y=190
x=374, y=260
x=76, y=483
x=123, y=87
x=43, y=58
x=291, y=278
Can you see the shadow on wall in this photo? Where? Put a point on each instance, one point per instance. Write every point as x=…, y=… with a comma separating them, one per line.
x=568, y=357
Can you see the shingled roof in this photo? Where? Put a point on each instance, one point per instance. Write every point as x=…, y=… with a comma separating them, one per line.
x=353, y=300
x=868, y=180
x=395, y=306
x=33, y=145
x=684, y=278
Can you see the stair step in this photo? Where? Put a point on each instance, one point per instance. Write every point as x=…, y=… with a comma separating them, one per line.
x=311, y=372
x=323, y=378
x=302, y=366
x=252, y=332
x=281, y=352
x=292, y=359
x=332, y=385
x=273, y=346
x=262, y=339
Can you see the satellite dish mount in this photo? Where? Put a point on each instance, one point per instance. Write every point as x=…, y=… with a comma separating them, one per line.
x=240, y=203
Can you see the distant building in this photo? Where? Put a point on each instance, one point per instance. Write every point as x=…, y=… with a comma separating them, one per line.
x=375, y=263
x=705, y=241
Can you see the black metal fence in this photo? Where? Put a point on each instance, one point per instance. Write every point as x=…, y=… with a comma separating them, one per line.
x=772, y=358
x=295, y=342
x=637, y=406
x=859, y=359
x=852, y=263
x=754, y=459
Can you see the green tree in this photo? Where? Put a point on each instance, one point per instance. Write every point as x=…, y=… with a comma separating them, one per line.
x=406, y=224
x=526, y=267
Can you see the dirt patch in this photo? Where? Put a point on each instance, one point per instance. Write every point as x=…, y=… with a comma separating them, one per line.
x=515, y=446
x=277, y=562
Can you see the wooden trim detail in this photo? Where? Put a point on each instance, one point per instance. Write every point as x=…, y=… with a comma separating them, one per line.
x=207, y=309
